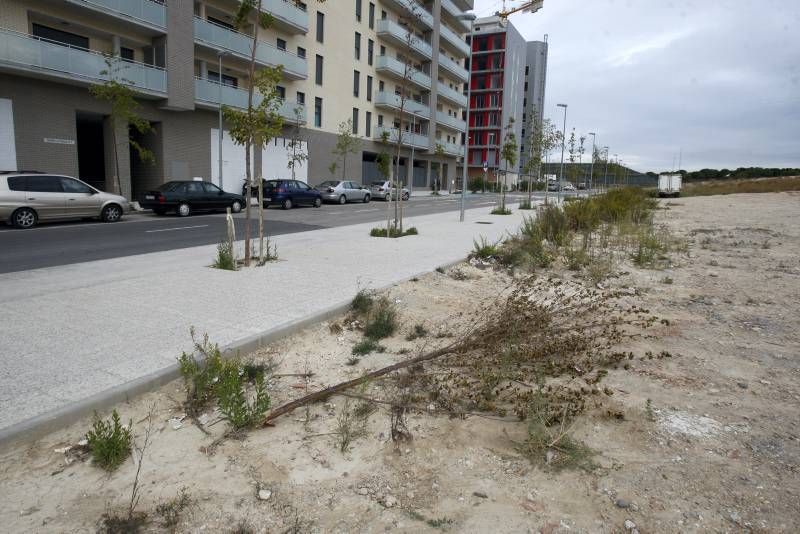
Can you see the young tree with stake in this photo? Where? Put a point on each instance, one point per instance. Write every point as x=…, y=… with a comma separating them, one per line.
x=508, y=153
x=296, y=150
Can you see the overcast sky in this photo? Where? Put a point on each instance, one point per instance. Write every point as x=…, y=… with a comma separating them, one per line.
x=719, y=79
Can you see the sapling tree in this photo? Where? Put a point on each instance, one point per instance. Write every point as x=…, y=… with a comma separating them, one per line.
x=295, y=149
x=439, y=152
x=346, y=143
x=580, y=155
x=259, y=123
x=572, y=170
x=508, y=153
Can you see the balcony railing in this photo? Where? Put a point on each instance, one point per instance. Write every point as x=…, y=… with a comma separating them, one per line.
x=459, y=44
x=456, y=70
x=412, y=9
x=208, y=92
x=29, y=53
x=220, y=37
x=450, y=148
x=148, y=12
x=384, y=98
x=287, y=14
x=456, y=97
x=397, y=67
x=388, y=29
x=451, y=122
x=408, y=138
x=451, y=9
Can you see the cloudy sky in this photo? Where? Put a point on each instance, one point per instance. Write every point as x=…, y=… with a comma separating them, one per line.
x=717, y=79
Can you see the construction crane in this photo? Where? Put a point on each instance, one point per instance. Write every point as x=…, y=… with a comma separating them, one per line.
x=529, y=6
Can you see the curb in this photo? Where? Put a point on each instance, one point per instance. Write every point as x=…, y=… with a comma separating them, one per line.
x=43, y=424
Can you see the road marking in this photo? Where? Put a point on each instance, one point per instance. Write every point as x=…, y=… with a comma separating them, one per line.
x=364, y=211
x=179, y=228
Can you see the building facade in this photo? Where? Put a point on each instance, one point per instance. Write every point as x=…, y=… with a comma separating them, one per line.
x=507, y=84
x=341, y=61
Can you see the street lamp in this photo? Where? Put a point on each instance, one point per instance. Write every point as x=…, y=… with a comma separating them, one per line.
x=591, y=167
x=605, y=174
x=563, y=138
x=220, y=55
x=471, y=18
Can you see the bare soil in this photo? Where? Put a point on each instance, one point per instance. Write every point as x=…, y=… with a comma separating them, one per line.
x=716, y=448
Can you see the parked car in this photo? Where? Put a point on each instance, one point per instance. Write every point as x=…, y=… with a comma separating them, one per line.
x=187, y=197
x=254, y=189
x=290, y=193
x=568, y=186
x=342, y=191
x=29, y=197
x=553, y=186
x=582, y=185
x=381, y=189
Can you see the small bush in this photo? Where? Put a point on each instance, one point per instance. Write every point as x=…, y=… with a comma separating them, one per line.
x=362, y=302
x=200, y=378
x=525, y=205
x=225, y=259
x=501, y=211
x=576, y=258
x=171, y=511
x=393, y=232
x=666, y=280
x=366, y=346
x=418, y=331
x=242, y=410
x=382, y=320
x=109, y=441
x=476, y=184
x=648, y=248
x=270, y=252
x=351, y=423
x=582, y=215
x=483, y=249
x=553, y=225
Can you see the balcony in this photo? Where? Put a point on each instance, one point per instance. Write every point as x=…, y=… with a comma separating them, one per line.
x=451, y=149
x=23, y=52
x=453, y=96
x=220, y=38
x=448, y=121
x=396, y=34
x=207, y=94
x=408, y=139
x=149, y=13
x=411, y=9
x=396, y=68
x=451, y=38
x=286, y=15
x=455, y=70
x=391, y=100
x=449, y=8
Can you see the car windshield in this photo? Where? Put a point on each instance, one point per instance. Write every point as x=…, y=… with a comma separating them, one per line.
x=380, y=184
x=329, y=183
x=169, y=186
x=270, y=184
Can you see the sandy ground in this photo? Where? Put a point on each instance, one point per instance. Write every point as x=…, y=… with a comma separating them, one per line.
x=718, y=450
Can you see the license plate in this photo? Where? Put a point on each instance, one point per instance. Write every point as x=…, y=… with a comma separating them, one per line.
x=268, y=199
x=149, y=197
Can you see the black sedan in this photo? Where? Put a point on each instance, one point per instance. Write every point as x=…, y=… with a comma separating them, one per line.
x=186, y=197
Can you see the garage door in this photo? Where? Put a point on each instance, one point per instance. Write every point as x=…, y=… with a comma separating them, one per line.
x=8, y=150
x=233, y=163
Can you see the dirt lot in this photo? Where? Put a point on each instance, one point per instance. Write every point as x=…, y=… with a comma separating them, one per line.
x=705, y=440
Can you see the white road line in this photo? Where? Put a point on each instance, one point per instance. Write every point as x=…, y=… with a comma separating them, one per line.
x=179, y=228
x=364, y=211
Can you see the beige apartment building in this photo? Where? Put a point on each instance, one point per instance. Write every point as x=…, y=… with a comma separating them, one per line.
x=342, y=59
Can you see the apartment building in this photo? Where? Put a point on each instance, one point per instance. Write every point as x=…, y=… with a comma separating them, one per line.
x=341, y=60
x=507, y=81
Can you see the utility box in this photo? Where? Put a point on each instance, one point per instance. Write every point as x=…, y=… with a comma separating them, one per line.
x=669, y=185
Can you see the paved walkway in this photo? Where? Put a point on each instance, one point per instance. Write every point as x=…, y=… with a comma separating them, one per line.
x=73, y=331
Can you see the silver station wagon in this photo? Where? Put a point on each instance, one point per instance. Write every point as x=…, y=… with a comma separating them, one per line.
x=29, y=197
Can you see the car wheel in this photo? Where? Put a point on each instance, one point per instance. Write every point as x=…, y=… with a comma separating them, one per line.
x=366, y=199
x=111, y=213
x=287, y=204
x=342, y=199
x=236, y=207
x=317, y=202
x=24, y=218
x=406, y=196
x=184, y=210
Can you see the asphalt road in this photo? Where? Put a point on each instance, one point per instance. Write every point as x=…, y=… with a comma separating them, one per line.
x=54, y=244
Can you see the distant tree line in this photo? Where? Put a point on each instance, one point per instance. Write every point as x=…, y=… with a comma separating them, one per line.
x=741, y=172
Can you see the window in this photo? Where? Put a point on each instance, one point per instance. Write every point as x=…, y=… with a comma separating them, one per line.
x=222, y=23
x=230, y=81
x=320, y=27
x=301, y=52
x=59, y=36
x=194, y=188
x=281, y=92
x=355, y=121
x=126, y=53
x=318, y=112
x=211, y=188
x=281, y=44
x=358, y=46
x=526, y=70
x=356, y=82
x=368, y=124
x=74, y=186
x=318, y=73
x=370, y=50
x=358, y=10
x=526, y=86
x=371, y=16
x=17, y=183
x=383, y=50
x=369, y=88
x=383, y=14
x=380, y=86
x=301, y=98
x=380, y=120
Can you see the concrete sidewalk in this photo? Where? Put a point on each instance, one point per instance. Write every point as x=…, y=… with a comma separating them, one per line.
x=72, y=332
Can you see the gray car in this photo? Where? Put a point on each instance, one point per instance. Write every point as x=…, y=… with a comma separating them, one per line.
x=343, y=191
x=380, y=189
x=29, y=197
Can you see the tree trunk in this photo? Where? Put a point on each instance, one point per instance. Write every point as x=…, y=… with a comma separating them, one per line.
x=248, y=170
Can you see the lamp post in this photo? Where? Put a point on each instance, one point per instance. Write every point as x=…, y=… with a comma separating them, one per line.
x=471, y=18
x=591, y=167
x=563, y=139
x=220, y=55
x=605, y=174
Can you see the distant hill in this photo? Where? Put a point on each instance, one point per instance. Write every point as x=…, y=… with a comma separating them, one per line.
x=727, y=174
